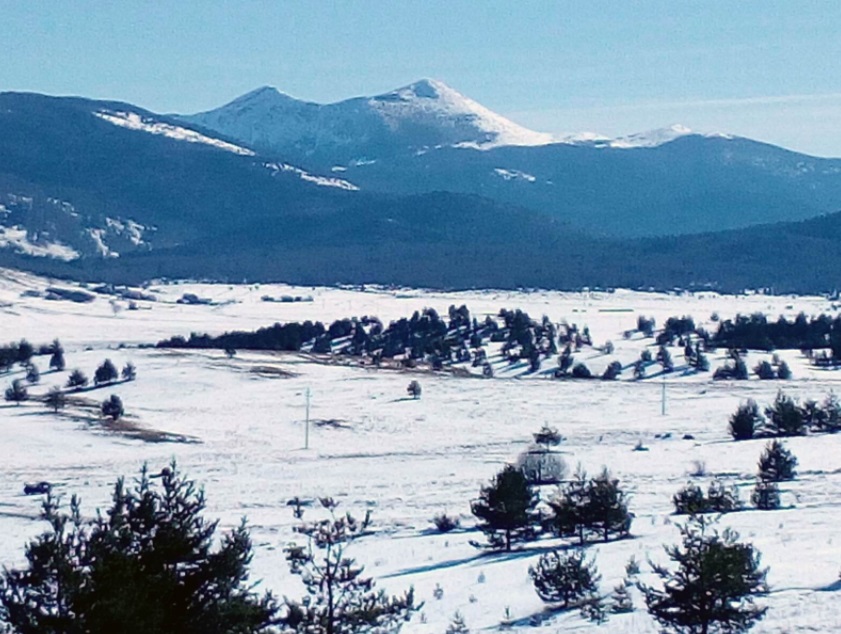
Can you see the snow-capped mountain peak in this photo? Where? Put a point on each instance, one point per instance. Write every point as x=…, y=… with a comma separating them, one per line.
x=433, y=102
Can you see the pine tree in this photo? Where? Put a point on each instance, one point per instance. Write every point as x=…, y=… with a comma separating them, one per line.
x=55, y=399
x=129, y=372
x=57, y=358
x=33, y=376
x=620, y=600
x=567, y=580
x=77, y=379
x=714, y=585
x=766, y=495
x=146, y=565
x=506, y=508
x=745, y=421
x=16, y=393
x=339, y=599
x=785, y=418
x=457, y=625
x=105, y=373
x=112, y=407
x=777, y=464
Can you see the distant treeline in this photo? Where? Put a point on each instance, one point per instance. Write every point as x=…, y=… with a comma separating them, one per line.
x=756, y=332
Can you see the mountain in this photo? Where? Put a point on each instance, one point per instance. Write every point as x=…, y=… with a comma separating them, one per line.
x=417, y=117
x=427, y=137
x=98, y=188
x=110, y=191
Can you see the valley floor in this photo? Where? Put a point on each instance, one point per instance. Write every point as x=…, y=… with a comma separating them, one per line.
x=371, y=447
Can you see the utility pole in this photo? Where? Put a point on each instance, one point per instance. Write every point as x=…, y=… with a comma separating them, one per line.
x=307, y=428
x=663, y=398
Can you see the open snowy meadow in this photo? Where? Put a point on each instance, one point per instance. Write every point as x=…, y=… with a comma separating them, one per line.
x=237, y=426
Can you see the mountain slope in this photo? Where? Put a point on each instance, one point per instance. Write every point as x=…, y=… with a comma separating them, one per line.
x=417, y=117
x=427, y=137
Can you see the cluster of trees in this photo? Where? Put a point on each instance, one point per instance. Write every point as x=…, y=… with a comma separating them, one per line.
x=756, y=332
x=105, y=374
x=588, y=508
x=786, y=417
x=424, y=337
x=153, y=563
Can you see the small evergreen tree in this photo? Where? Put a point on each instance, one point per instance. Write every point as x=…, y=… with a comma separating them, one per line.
x=145, y=565
x=691, y=500
x=57, y=358
x=414, y=390
x=77, y=379
x=785, y=418
x=506, y=508
x=339, y=599
x=766, y=495
x=746, y=421
x=620, y=600
x=112, y=407
x=105, y=373
x=457, y=625
x=55, y=399
x=16, y=393
x=33, y=376
x=714, y=585
x=783, y=371
x=777, y=464
x=765, y=371
x=565, y=579
x=129, y=372
x=581, y=371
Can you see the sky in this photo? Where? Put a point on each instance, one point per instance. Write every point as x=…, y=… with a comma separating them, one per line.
x=768, y=70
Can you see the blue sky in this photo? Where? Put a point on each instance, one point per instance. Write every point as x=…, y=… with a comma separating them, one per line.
x=769, y=70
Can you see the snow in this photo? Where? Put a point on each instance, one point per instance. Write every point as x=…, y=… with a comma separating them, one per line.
x=134, y=121
x=98, y=237
x=430, y=99
x=407, y=460
x=16, y=238
x=323, y=181
x=511, y=175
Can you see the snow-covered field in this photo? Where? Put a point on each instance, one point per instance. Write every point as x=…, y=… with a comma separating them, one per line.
x=408, y=460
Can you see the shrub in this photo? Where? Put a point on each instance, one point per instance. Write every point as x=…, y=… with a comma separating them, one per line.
x=541, y=466
x=129, y=372
x=691, y=500
x=764, y=371
x=783, y=371
x=581, y=371
x=55, y=399
x=612, y=371
x=444, y=523
x=414, y=389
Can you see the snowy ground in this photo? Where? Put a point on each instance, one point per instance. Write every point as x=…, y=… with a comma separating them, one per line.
x=408, y=460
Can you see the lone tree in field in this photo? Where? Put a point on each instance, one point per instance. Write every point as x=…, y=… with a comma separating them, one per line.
x=147, y=564
x=506, y=508
x=77, y=380
x=714, y=585
x=414, y=390
x=16, y=393
x=567, y=580
x=339, y=599
x=55, y=399
x=112, y=407
x=106, y=373
x=33, y=376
